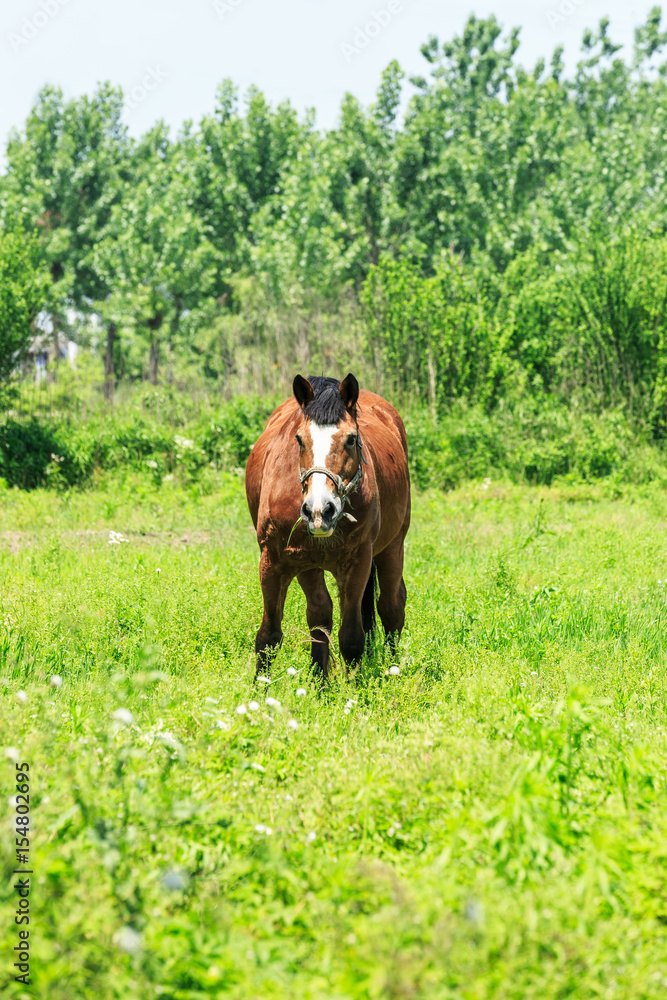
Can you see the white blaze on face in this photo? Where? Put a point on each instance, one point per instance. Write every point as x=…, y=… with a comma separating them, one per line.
x=321, y=490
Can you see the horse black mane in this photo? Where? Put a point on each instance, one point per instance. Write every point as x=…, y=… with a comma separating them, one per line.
x=327, y=407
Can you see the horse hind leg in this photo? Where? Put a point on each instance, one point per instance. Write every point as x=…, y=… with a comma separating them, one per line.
x=393, y=592
x=270, y=634
x=319, y=614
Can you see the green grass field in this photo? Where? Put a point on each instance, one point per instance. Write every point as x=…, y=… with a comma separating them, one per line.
x=489, y=822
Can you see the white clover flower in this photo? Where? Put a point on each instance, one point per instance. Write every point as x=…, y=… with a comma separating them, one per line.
x=183, y=442
x=291, y=671
x=272, y=702
x=394, y=671
x=56, y=681
x=151, y=463
x=293, y=724
x=300, y=692
x=123, y=715
x=258, y=767
x=263, y=680
x=253, y=706
x=13, y=754
x=311, y=837
x=22, y=697
x=241, y=709
x=219, y=724
x=115, y=538
x=262, y=828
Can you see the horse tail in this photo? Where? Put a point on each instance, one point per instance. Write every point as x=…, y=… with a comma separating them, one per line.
x=368, y=602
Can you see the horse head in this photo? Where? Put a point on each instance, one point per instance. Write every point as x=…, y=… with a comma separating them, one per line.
x=330, y=457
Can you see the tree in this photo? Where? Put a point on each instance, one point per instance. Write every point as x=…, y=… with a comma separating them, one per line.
x=154, y=252
x=324, y=226
x=65, y=172
x=23, y=286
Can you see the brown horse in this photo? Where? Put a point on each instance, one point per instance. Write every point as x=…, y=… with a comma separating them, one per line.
x=329, y=448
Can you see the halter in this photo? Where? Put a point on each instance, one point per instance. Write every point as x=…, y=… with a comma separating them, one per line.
x=342, y=490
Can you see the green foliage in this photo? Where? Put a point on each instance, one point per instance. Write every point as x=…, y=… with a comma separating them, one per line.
x=431, y=336
x=63, y=452
x=591, y=323
x=33, y=455
x=64, y=173
x=588, y=325
x=22, y=286
x=504, y=238
x=535, y=442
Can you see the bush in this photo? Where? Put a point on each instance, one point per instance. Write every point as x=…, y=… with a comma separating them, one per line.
x=533, y=442
x=59, y=453
x=33, y=455
x=589, y=325
x=22, y=289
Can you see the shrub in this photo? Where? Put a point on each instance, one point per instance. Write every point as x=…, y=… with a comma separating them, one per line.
x=532, y=442
x=61, y=453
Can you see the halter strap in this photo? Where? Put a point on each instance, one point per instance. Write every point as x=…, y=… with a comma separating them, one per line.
x=342, y=490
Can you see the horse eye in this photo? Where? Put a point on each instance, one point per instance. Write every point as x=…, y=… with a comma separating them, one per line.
x=298, y=437
x=351, y=439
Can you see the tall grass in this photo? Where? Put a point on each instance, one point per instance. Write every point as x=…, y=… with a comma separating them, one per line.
x=490, y=822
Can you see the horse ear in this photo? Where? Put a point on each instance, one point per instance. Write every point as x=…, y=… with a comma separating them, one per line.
x=349, y=391
x=303, y=391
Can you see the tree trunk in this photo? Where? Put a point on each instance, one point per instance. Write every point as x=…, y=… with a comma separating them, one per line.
x=55, y=352
x=154, y=361
x=431, y=382
x=173, y=330
x=109, y=369
x=57, y=271
x=154, y=325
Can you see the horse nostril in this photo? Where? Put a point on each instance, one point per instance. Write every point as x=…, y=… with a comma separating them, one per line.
x=306, y=510
x=329, y=511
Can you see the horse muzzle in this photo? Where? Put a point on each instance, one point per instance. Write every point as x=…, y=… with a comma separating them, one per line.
x=320, y=521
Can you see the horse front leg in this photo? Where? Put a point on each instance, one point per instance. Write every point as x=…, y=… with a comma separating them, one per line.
x=351, y=586
x=393, y=593
x=274, y=584
x=319, y=613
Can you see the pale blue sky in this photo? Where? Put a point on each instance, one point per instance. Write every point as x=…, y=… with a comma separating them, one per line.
x=290, y=48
